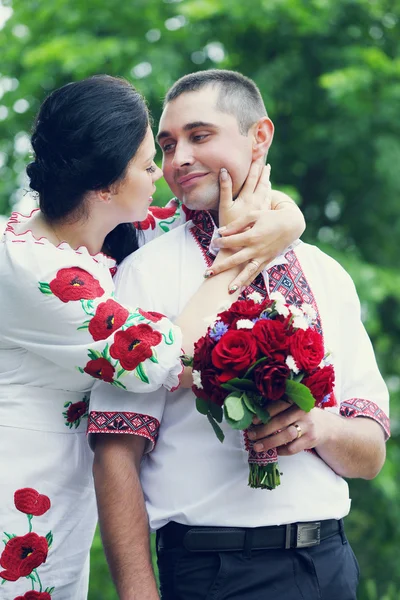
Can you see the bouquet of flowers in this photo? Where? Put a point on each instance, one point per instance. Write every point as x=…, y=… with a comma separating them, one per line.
x=257, y=352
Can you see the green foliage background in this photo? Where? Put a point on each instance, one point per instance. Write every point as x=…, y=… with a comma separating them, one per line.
x=329, y=71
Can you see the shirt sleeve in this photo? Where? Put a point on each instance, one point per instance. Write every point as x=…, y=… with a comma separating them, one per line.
x=60, y=305
x=160, y=220
x=363, y=391
x=129, y=413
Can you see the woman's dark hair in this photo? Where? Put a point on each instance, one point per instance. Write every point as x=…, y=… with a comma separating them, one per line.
x=84, y=136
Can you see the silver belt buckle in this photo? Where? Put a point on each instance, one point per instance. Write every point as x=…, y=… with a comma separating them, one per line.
x=308, y=534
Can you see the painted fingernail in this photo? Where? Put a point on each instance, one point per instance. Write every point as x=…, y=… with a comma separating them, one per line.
x=208, y=274
x=233, y=289
x=258, y=447
x=222, y=229
x=251, y=434
x=224, y=174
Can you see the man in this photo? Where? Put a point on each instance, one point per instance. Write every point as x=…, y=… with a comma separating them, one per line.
x=218, y=538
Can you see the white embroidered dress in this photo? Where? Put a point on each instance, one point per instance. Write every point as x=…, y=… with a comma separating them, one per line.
x=60, y=330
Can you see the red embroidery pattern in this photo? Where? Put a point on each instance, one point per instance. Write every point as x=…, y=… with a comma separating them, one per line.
x=357, y=407
x=73, y=284
x=132, y=346
x=124, y=422
x=162, y=213
x=75, y=412
x=109, y=317
x=23, y=554
x=100, y=368
x=32, y=595
x=30, y=502
x=152, y=316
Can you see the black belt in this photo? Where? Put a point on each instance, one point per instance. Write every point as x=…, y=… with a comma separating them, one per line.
x=220, y=539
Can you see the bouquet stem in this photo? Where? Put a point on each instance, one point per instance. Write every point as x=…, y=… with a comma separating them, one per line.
x=265, y=477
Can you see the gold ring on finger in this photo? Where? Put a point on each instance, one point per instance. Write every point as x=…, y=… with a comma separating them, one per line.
x=298, y=429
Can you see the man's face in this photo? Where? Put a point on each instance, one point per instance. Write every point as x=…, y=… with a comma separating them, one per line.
x=197, y=140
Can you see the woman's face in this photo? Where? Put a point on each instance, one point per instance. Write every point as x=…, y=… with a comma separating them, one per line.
x=134, y=193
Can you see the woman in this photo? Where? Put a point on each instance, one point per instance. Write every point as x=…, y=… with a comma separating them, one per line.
x=62, y=328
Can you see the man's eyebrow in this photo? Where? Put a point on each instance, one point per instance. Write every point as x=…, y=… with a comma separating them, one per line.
x=188, y=127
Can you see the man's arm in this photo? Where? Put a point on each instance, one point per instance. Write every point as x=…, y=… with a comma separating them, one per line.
x=351, y=447
x=122, y=513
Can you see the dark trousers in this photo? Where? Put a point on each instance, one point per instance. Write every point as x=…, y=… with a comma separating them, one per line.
x=328, y=571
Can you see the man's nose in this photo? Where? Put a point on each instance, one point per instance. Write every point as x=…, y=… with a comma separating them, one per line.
x=183, y=155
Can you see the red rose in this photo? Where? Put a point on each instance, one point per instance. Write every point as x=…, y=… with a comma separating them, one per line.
x=32, y=595
x=22, y=554
x=75, y=284
x=100, y=368
x=235, y=351
x=270, y=379
x=133, y=345
x=151, y=315
x=109, y=317
x=30, y=502
x=211, y=387
x=202, y=353
x=272, y=339
x=320, y=383
x=148, y=223
x=307, y=348
x=76, y=411
x=243, y=309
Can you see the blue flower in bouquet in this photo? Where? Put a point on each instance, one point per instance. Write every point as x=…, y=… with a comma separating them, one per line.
x=218, y=331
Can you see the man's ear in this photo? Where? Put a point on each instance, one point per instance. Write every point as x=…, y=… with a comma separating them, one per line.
x=263, y=133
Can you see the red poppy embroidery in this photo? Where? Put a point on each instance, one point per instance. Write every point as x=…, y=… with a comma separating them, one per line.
x=30, y=502
x=151, y=315
x=109, y=317
x=75, y=412
x=22, y=554
x=100, y=368
x=164, y=212
x=33, y=595
x=148, y=223
x=75, y=284
x=133, y=346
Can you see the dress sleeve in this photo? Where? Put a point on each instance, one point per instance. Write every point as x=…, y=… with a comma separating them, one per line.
x=161, y=220
x=363, y=391
x=60, y=305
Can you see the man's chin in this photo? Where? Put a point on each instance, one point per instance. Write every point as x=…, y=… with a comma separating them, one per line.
x=200, y=201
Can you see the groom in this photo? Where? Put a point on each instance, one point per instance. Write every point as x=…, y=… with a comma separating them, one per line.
x=216, y=537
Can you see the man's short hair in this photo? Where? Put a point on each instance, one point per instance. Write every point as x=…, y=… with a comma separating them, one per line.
x=238, y=95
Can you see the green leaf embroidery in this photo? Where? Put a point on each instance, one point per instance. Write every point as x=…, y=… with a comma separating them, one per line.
x=94, y=354
x=10, y=535
x=300, y=395
x=119, y=384
x=106, y=354
x=121, y=372
x=80, y=369
x=49, y=538
x=45, y=288
x=217, y=429
x=142, y=373
x=153, y=357
x=202, y=406
x=66, y=404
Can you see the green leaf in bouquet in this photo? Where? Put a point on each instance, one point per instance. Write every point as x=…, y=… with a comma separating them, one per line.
x=234, y=407
x=242, y=384
x=248, y=401
x=228, y=387
x=300, y=395
x=217, y=429
x=216, y=411
x=258, y=362
x=244, y=422
x=202, y=406
x=262, y=414
x=298, y=377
